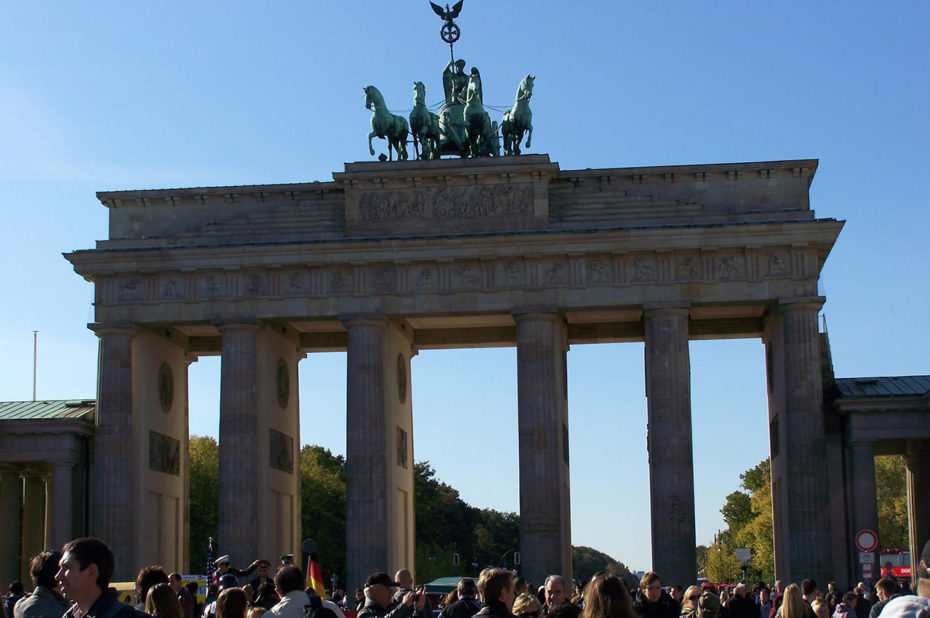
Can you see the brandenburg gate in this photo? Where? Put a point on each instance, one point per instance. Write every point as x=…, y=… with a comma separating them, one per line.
x=391, y=258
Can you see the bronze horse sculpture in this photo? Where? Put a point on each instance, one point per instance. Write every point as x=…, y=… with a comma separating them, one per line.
x=386, y=125
x=518, y=119
x=424, y=125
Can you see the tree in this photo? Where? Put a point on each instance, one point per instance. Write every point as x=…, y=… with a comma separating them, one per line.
x=204, y=456
x=587, y=561
x=323, y=512
x=891, y=494
x=748, y=515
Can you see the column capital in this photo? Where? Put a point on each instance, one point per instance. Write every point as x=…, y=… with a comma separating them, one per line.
x=535, y=312
x=660, y=309
x=801, y=303
x=236, y=325
x=363, y=319
x=113, y=329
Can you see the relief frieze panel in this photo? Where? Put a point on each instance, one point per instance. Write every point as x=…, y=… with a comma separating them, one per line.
x=644, y=269
x=448, y=275
x=213, y=286
x=686, y=267
x=171, y=288
x=445, y=203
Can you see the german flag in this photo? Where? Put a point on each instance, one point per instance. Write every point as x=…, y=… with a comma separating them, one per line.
x=315, y=577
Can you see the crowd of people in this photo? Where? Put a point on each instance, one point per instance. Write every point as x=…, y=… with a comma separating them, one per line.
x=75, y=583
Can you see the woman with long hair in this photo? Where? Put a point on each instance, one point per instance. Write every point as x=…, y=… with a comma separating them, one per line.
x=232, y=603
x=689, y=602
x=792, y=605
x=605, y=596
x=162, y=602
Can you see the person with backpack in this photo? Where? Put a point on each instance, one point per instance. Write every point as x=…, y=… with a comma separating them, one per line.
x=84, y=573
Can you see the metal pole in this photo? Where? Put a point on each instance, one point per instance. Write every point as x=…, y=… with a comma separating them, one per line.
x=35, y=360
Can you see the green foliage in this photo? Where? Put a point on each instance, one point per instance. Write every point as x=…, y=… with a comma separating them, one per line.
x=587, y=561
x=323, y=506
x=891, y=493
x=204, y=498
x=720, y=564
x=749, y=520
x=737, y=511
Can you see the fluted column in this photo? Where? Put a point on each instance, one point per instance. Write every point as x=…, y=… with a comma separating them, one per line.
x=917, y=461
x=61, y=503
x=366, y=450
x=239, y=443
x=807, y=538
x=111, y=511
x=33, y=519
x=11, y=499
x=864, y=503
x=545, y=519
x=671, y=465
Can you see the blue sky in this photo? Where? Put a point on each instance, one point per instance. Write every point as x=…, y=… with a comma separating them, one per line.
x=105, y=96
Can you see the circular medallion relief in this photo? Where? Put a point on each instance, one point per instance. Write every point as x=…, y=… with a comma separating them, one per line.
x=402, y=378
x=165, y=387
x=283, y=383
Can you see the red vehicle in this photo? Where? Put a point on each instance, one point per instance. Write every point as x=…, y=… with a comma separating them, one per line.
x=895, y=563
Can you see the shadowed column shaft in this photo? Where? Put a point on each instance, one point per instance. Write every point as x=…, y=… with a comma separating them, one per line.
x=366, y=450
x=239, y=444
x=671, y=472
x=33, y=520
x=917, y=461
x=112, y=471
x=545, y=531
x=864, y=503
x=805, y=482
x=11, y=498
x=61, y=504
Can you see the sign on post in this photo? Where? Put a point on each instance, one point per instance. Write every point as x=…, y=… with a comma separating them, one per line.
x=866, y=540
x=866, y=557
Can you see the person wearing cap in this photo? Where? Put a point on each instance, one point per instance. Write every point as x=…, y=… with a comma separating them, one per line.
x=379, y=590
x=222, y=567
x=263, y=566
x=223, y=582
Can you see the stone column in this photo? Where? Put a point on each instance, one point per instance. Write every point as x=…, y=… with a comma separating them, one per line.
x=545, y=519
x=367, y=529
x=800, y=494
x=239, y=444
x=61, y=504
x=112, y=510
x=33, y=519
x=917, y=461
x=864, y=503
x=671, y=466
x=11, y=501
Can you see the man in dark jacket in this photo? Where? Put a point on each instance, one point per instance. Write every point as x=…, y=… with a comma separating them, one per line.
x=467, y=605
x=738, y=606
x=886, y=589
x=652, y=601
x=84, y=573
x=379, y=590
x=496, y=588
x=44, y=600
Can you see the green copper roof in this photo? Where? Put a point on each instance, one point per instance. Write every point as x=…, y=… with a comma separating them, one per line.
x=899, y=386
x=42, y=410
